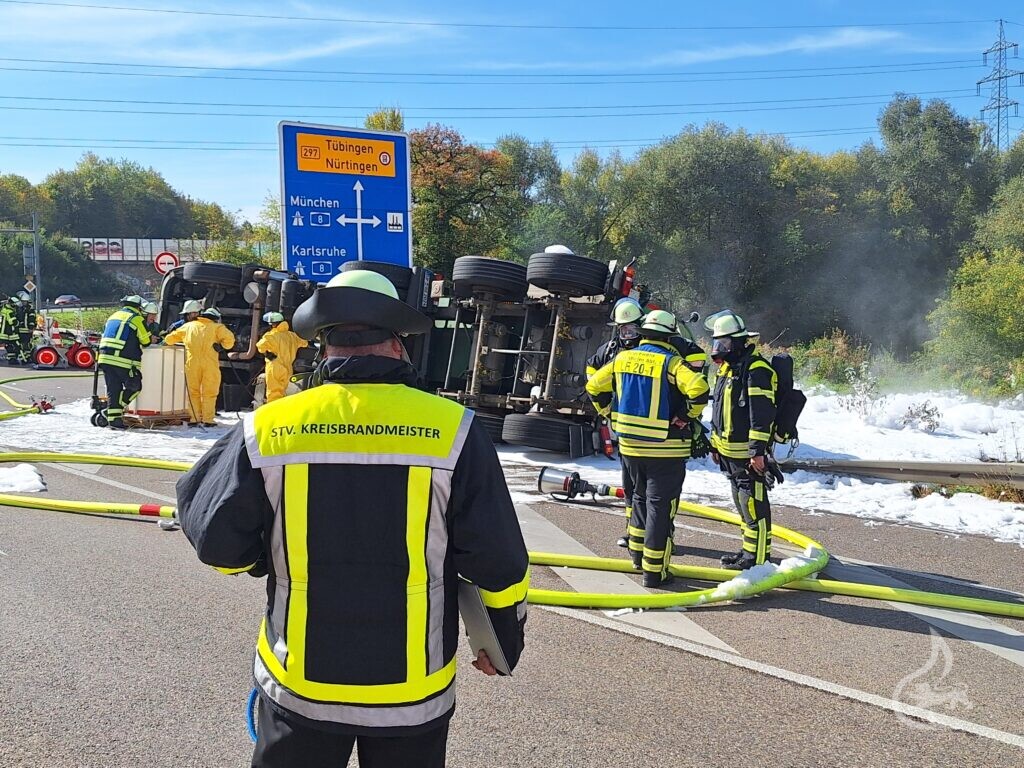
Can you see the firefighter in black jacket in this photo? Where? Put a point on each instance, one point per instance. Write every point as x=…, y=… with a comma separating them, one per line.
x=743, y=416
x=652, y=397
x=364, y=500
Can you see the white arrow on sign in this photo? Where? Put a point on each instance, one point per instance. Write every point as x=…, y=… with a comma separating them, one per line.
x=359, y=221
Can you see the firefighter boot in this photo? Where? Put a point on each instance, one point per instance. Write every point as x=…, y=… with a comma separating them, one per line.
x=655, y=580
x=730, y=560
x=745, y=562
x=623, y=542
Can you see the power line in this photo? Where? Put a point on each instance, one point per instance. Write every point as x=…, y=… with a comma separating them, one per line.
x=487, y=25
x=410, y=109
x=533, y=84
x=478, y=74
x=998, y=108
x=574, y=116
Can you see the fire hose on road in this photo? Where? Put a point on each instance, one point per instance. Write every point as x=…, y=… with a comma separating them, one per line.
x=799, y=575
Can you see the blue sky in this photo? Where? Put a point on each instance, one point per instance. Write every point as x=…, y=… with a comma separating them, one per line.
x=570, y=72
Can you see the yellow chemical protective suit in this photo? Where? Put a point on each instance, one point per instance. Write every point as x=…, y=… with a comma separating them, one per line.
x=202, y=363
x=279, y=345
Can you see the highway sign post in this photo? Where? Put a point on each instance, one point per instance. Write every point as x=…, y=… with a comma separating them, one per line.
x=346, y=195
x=164, y=262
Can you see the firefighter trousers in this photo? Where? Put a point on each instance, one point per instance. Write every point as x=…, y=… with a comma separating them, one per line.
x=24, y=347
x=123, y=386
x=283, y=743
x=627, y=492
x=751, y=498
x=657, y=484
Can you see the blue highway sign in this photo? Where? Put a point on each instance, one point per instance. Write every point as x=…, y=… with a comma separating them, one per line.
x=346, y=194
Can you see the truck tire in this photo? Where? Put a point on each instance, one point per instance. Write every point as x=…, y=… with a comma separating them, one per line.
x=492, y=424
x=478, y=274
x=549, y=433
x=567, y=274
x=213, y=273
x=400, y=277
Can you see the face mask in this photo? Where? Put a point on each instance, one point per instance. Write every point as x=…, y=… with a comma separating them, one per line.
x=728, y=348
x=628, y=332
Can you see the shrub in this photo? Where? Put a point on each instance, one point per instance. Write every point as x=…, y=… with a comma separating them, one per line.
x=828, y=358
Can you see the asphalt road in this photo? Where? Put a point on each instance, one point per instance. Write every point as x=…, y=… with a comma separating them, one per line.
x=120, y=649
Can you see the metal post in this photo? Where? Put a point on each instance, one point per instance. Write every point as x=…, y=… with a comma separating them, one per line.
x=39, y=262
x=522, y=346
x=549, y=379
x=485, y=320
x=451, y=352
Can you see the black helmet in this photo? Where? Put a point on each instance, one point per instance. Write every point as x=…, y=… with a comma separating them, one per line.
x=358, y=297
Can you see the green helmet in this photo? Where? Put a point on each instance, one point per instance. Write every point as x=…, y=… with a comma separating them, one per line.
x=358, y=297
x=626, y=311
x=658, y=322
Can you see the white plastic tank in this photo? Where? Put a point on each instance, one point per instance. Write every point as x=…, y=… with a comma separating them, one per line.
x=163, y=383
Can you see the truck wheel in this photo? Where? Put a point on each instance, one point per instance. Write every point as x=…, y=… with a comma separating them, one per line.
x=46, y=357
x=567, y=274
x=492, y=424
x=213, y=273
x=400, y=277
x=537, y=431
x=479, y=274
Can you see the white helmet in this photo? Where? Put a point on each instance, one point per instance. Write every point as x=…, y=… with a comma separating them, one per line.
x=727, y=323
x=150, y=308
x=556, y=248
x=25, y=297
x=192, y=305
x=211, y=313
x=134, y=300
x=625, y=311
x=660, y=321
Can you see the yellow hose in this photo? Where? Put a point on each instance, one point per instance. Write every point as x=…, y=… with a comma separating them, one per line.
x=28, y=407
x=792, y=579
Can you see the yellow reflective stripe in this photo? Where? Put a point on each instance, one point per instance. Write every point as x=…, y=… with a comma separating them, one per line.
x=755, y=435
x=634, y=531
x=730, y=450
x=652, y=412
x=509, y=596
x=634, y=431
x=640, y=421
x=727, y=407
x=697, y=357
x=296, y=500
x=417, y=508
x=229, y=571
x=653, y=554
x=770, y=394
x=759, y=491
x=386, y=693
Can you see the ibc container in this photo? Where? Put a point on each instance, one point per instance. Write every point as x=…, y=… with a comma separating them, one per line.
x=163, y=383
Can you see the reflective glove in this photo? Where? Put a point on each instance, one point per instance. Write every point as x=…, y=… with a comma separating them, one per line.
x=700, y=446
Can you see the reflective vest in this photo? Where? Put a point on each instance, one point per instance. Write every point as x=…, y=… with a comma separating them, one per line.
x=8, y=322
x=360, y=636
x=744, y=409
x=650, y=386
x=124, y=336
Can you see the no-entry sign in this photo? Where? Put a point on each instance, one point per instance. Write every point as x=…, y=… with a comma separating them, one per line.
x=165, y=262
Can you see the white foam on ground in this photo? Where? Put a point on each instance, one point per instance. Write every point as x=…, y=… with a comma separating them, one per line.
x=21, y=478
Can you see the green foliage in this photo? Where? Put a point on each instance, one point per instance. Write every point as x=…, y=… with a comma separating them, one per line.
x=1003, y=225
x=980, y=326
x=385, y=119
x=827, y=359
x=66, y=269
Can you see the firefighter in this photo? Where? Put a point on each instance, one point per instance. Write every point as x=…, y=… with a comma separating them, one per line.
x=120, y=357
x=279, y=346
x=652, y=397
x=202, y=363
x=626, y=316
x=9, y=328
x=189, y=312
x=150, y=310
x=741, y=426
x=365, y=500
x=26, y=327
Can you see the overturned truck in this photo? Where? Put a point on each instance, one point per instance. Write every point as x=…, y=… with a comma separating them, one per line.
x=509, y=340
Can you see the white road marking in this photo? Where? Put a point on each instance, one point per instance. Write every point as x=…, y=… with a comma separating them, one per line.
x=544, y=536
x=986, y=633
x=806, y=681
x=146, y=494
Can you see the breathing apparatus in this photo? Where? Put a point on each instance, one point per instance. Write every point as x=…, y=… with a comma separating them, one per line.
x=730, y=334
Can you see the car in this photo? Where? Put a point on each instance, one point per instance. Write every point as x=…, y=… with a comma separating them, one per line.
x=67, y=300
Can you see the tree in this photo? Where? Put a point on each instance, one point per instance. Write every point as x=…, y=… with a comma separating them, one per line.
x=465, y=198
x=65, y=267
x=385, y=119
x=1003, y=225
x=19, y=199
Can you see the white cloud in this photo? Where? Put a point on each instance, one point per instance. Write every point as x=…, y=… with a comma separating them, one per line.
x=845, y=38
x=201, y=41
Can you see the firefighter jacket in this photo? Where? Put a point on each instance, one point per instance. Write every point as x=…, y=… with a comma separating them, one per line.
x=744, y=408
x=282, y=344
x=199, y=337
x=8, y=322
x=694, y=357
x=646, y=389
x=26, y=319
x=367, y=500
x=124, y=336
